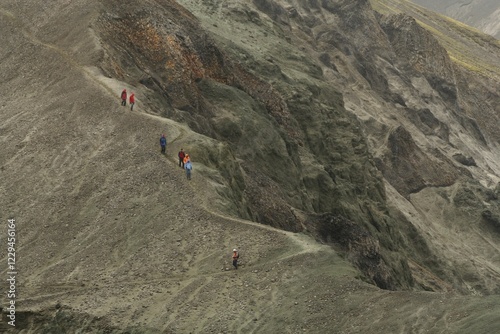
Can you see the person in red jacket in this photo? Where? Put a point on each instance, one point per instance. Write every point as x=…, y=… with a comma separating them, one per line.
x=124, y=97
x=181, y=156
x=132, y=101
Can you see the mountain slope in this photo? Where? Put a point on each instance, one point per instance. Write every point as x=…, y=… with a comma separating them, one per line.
x=482, y=14
x=307, y=117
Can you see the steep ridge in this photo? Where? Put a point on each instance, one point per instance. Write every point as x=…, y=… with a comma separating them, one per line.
x=416, y=88
x=307, y=117
x=473, y=106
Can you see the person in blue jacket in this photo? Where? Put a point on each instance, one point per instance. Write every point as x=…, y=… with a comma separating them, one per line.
x=163, y=143
x=188, y=167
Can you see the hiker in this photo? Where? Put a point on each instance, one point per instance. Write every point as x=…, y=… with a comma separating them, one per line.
x=186, y=158
x=188, y=167
x=181, y=156
x=132, y=101
x=124, y=97
x=163, y=143
x=236, y=256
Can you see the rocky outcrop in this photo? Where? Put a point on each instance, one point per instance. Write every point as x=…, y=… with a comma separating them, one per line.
x=361, y=248
x=467, y=161
x=417, y=50
x=409, y=169
x=169, y=53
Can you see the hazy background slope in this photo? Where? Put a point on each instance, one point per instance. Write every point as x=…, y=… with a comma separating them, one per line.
x=481, y=14
x=360, y=133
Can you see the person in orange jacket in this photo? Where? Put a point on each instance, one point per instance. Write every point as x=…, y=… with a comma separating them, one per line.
x=236, y=256
x=124, y=97
x=186, y=158
x=132, y=101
